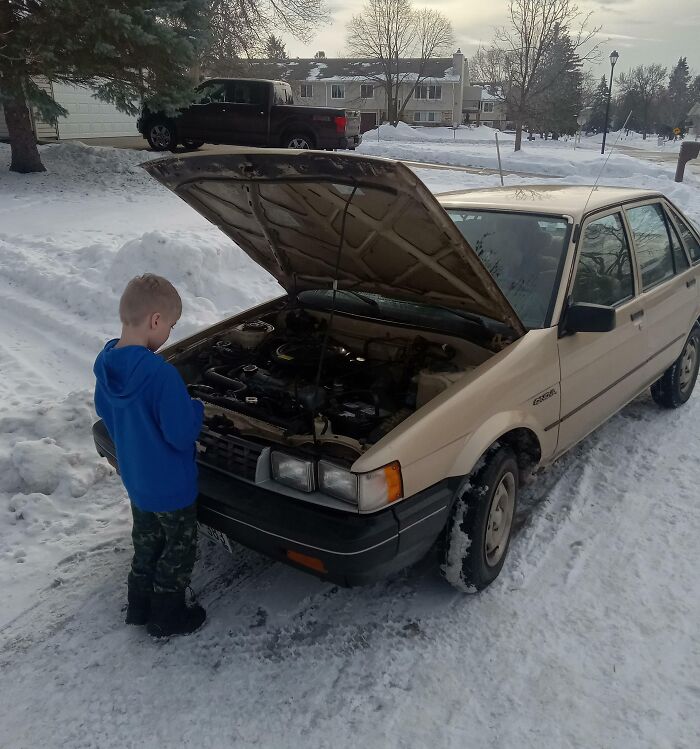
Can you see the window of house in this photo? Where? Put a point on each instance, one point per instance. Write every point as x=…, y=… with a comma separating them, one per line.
x=367, y=91
x=651, y=241
x=428, y=92
x=337, y=91
x=307, y=91
x=691, y=243
x=426, y=117
x=487, y=106
x=604, y=274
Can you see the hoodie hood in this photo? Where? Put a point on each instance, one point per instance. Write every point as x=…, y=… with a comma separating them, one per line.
x=318, y=220
x=124, y=372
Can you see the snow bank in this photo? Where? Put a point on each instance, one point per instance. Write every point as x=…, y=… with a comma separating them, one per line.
x=405, y=133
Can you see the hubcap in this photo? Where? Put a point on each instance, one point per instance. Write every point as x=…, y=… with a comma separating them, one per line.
x=689, y=360
x=299, y=143
x=500, y=519
x=160, y=135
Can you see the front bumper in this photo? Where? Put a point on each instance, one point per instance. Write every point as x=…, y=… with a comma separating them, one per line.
x=347, y=548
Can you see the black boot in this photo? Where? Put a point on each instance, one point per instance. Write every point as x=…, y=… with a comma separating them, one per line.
x=138, y=607
x=170, y=615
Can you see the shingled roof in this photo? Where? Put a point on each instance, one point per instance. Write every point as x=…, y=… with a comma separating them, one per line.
x=343, y=69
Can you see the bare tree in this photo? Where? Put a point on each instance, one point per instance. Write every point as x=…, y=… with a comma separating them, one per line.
x=514, y=64
x=389, y=31
x=641, y=88
x=240, y=29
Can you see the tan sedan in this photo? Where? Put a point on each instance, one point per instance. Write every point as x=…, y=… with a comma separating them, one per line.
x=426, y=354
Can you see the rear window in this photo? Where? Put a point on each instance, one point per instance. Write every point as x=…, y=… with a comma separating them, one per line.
x=524, y=254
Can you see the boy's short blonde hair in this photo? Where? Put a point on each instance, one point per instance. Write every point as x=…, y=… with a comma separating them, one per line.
x=147, y=294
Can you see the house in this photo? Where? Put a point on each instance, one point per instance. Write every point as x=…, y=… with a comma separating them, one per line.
x=443, y=96
x=87, y=116
x=484, y=108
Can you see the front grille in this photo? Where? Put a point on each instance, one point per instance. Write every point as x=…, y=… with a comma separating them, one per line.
x=232, y=455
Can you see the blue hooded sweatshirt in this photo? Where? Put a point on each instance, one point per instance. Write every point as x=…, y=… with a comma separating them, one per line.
x=153, y=423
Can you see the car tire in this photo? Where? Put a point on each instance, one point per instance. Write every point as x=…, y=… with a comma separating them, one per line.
x=161, y=135
x=478, y=533
x=676, y=384
x=298, y=140
x=192, y=145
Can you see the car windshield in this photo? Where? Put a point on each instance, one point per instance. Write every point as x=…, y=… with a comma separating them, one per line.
x=524, y=254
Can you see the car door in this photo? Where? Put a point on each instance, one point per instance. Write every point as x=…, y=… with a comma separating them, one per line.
x=247, y=113
x=668, y=284
x=201, y=121
x=600, y=372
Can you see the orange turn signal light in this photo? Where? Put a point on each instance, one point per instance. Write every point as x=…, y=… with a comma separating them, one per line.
x=394, y=483
x=311, y=562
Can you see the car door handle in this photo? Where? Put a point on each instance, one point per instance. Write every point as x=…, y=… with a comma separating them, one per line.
x=691, y=282
x=637, y=315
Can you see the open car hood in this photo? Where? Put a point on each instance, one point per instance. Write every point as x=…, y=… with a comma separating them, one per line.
x=287, y=210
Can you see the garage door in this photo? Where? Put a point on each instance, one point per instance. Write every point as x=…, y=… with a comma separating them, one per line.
x=88, y=117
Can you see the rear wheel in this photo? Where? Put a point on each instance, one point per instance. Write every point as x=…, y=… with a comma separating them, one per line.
x=677, y=383
x=298, y=140
x=161, y=136
x=478, y=534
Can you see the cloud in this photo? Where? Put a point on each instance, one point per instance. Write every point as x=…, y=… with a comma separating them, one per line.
x=628, y=38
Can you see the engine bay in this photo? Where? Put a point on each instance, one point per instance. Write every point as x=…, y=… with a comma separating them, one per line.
x=289, y=378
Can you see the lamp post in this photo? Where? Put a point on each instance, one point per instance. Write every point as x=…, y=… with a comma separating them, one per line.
x=613, y=59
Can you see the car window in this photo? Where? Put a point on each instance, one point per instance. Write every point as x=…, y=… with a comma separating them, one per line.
x=691, y=243
x=211, y=93
x=604, y=272
x=652, y=244
x=249, y=92
x=679, y=257
x=523, y=252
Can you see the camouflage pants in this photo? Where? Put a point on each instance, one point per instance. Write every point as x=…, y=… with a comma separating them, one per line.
x=165, y=545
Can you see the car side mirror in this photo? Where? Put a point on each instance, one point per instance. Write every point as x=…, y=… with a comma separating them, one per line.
x=583, y=317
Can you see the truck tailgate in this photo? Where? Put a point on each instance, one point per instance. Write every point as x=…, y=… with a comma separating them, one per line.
x=352, y=123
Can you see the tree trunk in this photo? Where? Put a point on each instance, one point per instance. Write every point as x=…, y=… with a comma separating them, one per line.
x=518, y=136
x=25, y=154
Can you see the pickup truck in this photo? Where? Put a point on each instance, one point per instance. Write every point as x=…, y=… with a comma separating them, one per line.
x=250, y=112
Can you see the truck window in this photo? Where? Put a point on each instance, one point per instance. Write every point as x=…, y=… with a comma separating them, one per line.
x=250, y=92
x=211, y=93
x=282, y=94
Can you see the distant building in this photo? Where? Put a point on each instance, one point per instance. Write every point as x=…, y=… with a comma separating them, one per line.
x=444, y=96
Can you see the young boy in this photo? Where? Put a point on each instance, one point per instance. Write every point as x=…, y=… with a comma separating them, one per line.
x=153, y=423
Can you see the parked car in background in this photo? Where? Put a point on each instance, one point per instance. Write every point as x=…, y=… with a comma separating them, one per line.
x=247, y=112
x=428, y=355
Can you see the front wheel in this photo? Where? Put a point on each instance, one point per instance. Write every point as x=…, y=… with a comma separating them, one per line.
x=161, y=136
x=192, y=145
x=478, y=534
x=676, y=384
x=298, y=140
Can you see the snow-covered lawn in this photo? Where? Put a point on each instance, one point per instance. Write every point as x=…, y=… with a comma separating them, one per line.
x=588, y=639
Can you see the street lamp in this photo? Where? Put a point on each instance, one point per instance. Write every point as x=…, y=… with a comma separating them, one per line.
x=613, y=59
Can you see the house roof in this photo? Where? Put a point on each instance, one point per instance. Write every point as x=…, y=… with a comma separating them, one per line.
x=346, y=69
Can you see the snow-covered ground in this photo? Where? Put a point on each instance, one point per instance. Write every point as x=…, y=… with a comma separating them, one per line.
x=590, y=637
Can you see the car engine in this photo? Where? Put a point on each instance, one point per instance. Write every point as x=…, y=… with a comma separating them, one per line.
x=293, y=373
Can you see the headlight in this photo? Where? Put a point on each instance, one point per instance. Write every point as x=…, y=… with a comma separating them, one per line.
x=292, y=471
x=369, y=491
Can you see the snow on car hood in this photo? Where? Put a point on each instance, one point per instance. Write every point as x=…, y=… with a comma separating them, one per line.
x=286, y=210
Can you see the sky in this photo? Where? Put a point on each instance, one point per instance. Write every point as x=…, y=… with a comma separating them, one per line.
x=642, y=31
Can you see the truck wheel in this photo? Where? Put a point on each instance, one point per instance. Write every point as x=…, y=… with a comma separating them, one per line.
x=676, y=384
x=478, y=533
x=297, y=140
x=192, y=145
x=161, y=136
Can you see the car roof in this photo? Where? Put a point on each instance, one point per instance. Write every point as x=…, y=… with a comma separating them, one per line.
x=566, y=200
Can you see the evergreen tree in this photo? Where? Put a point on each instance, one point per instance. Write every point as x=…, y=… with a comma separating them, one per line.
x=596, y=121
x=275, y=48
x=556, y=108
x=123, y=49
x=694, y=91
x=679, y=94
x=641, y=89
